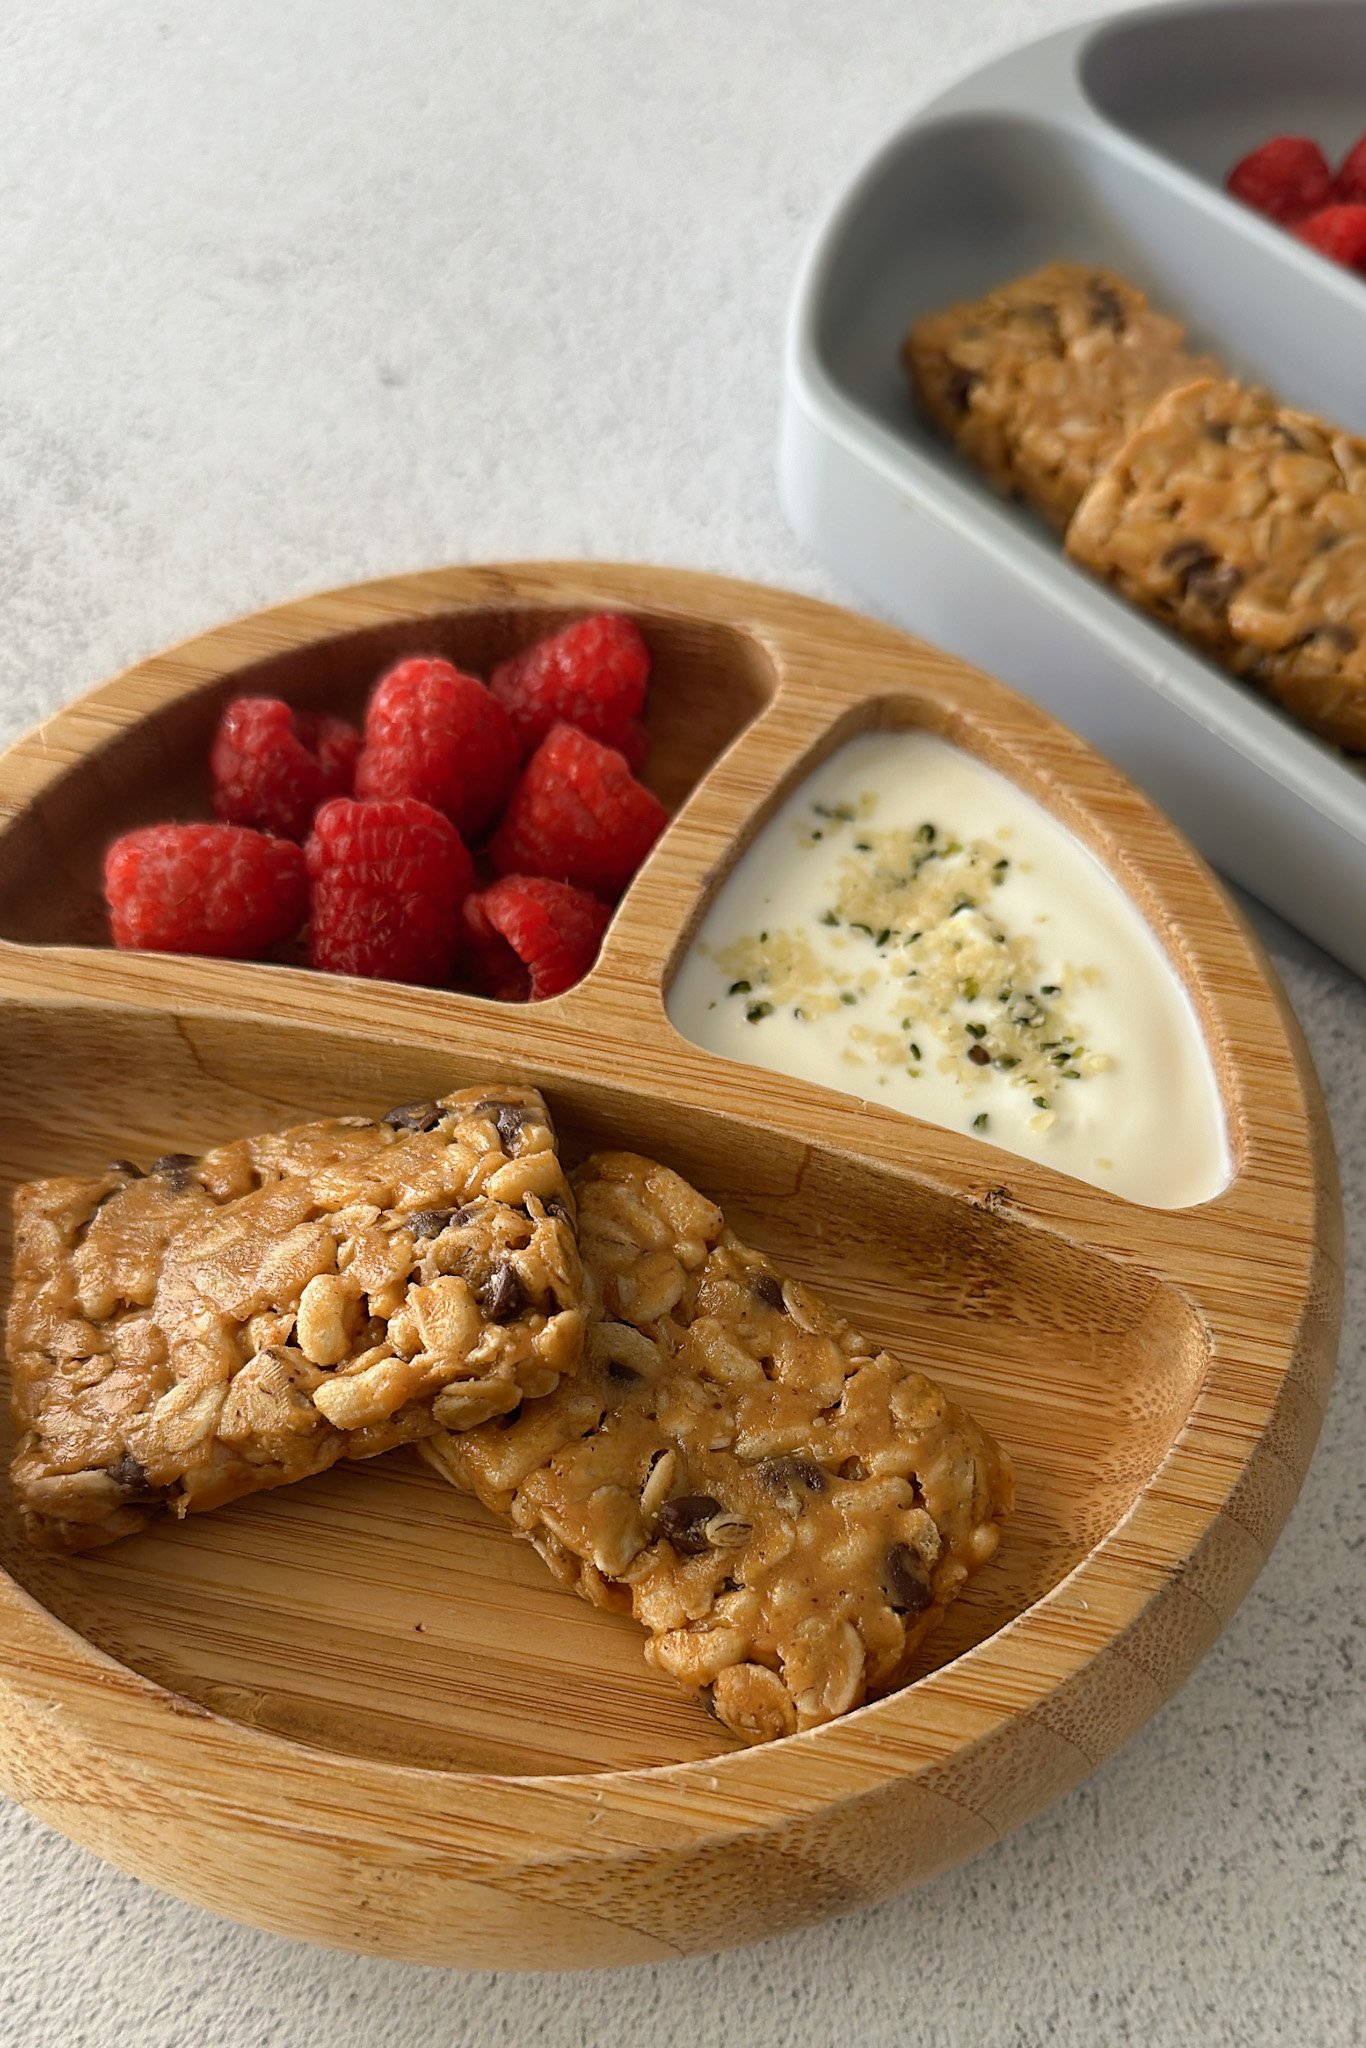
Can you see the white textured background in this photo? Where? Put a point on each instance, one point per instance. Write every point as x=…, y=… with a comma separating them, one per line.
x=295, y=294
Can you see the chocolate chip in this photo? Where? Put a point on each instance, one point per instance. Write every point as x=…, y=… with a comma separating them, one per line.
x=131, y=1479
x=684, y=1521
x=979, y=1056
x=1202, y=574
x=174, y=1168
x=431, y=1222
x=959, y=387
x=907, y=1587
x=1214, y=586
x=1341, y=637
x=509, y=1121
x=126, y=1168
x=780, y=1474
x=1045, y=315
x=1218, y=430
x=413, y=1116
x=768, y=1289
x=502, y=1295
x=1187, y=554
x=1105, y=306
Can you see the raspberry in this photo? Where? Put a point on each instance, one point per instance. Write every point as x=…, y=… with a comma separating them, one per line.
x=592, y=675
x=1350, y=183
x=528, y=938
x=578, y=815
x=272, y=767
x=216, y=889
x=437, y=735
x=1339, y=232
x=388, y=882
x=1285, y=179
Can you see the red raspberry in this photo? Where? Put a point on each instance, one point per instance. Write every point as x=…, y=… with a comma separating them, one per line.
x=1285, y=179
x=527, y=937
x=215, y=889
x=388, y=882
x=435, y=734
x=272, y=767
x=578, y=815
x=592, y=675
x=1350, y=183
x=1339, y=232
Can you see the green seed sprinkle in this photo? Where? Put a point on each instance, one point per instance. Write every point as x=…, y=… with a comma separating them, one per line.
x=979, y=1122
x=739, y=988
x=758, y=1010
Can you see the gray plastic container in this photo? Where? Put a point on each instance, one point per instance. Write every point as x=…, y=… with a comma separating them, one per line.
x=1105, y=143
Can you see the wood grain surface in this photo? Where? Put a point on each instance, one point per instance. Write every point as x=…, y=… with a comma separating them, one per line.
x=360, y=1712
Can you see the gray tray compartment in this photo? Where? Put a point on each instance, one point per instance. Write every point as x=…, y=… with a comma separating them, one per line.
x=1013, y=167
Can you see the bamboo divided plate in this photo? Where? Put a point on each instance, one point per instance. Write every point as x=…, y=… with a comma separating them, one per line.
x=359, y=1711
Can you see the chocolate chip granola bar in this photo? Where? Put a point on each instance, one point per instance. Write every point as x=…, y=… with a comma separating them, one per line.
x=1039, y=382
x=237, y=1321
x=786, y=1509
x=1242, y=523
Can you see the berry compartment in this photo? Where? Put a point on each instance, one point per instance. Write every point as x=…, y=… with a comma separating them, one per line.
x=156, y=770
x=1204, y=85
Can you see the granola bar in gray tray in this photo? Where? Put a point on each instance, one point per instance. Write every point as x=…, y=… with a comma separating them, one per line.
x=1039, y=383
x=1242, y=523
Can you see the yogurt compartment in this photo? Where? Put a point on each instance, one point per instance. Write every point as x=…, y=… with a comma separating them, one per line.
x=911, y=928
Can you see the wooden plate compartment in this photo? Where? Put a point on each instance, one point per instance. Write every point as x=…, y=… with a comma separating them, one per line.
x=358, y=1710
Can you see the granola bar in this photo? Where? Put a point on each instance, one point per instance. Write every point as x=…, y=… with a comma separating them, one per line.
x=238, y=1321
x=1039, y=382
x=786, y=1509
x=1242, y=523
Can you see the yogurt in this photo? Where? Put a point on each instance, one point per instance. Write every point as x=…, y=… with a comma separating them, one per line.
x=911, y=928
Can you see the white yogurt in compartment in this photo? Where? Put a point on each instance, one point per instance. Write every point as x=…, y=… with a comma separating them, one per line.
x=913, y=929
